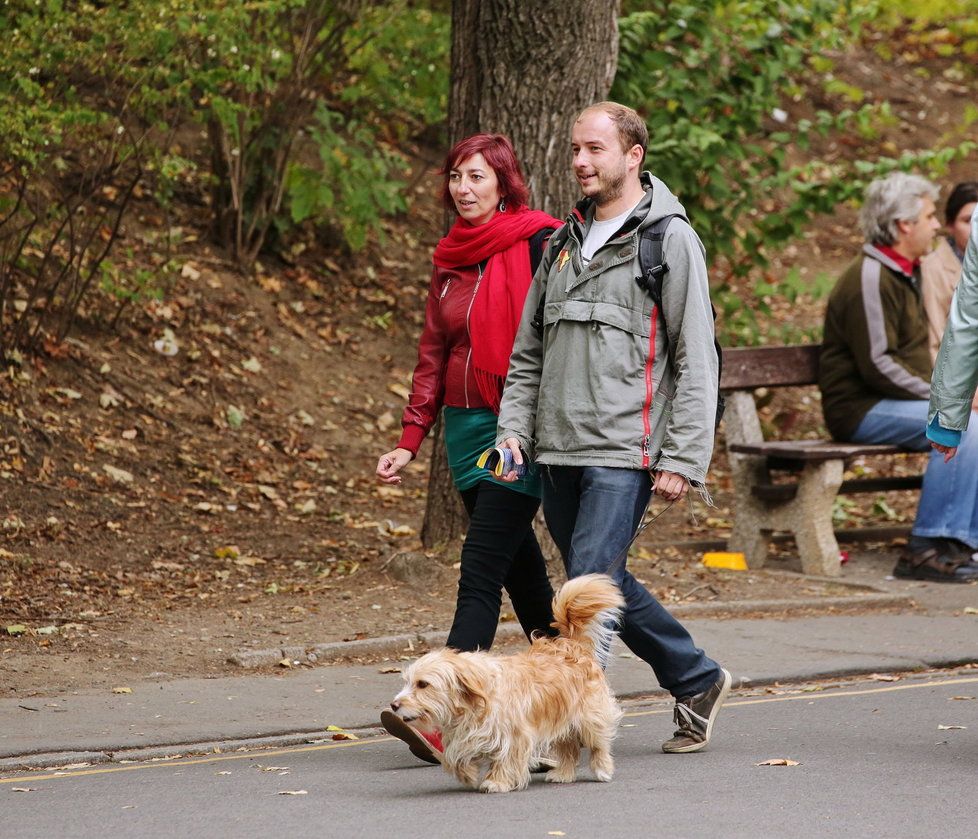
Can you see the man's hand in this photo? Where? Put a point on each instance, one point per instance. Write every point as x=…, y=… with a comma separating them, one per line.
x=513, y=445
x=670, y=486
x=947, y=451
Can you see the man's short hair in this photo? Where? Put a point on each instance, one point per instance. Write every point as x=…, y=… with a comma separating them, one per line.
x=897, y=197
x=632, y=130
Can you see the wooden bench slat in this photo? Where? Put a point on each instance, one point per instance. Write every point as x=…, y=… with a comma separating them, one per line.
x=785, y=492
x=813, y=450
x=746, y=368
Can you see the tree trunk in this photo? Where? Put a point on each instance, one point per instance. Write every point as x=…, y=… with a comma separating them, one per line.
x=524, y=69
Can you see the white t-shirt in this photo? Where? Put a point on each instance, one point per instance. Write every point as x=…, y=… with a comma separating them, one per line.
x=600, y=232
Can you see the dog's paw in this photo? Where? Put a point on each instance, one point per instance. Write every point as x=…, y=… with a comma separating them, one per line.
x=560, y=776
x=603, y=775
x=494, y=786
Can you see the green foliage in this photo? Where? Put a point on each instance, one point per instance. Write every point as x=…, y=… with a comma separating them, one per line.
x=710, y=79
x=714, y=82
x=286, y=109
x=743, y=320
x=354, y=181
x=75, y=141
x=399, y=76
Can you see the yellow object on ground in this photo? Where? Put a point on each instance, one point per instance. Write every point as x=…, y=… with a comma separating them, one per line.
x=722, y=559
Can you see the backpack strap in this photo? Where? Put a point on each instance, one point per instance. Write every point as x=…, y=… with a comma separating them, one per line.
x=557, y=242
x=653, y=267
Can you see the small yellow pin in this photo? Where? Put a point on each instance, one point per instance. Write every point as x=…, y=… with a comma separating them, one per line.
x=562, y=259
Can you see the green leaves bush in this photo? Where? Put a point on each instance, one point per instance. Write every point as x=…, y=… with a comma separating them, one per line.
x=712, y=80
x=279, y=109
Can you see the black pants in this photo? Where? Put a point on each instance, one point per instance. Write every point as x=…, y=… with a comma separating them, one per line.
x=500, y=549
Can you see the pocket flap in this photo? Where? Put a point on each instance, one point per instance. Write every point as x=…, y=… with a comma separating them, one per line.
x=610, y=314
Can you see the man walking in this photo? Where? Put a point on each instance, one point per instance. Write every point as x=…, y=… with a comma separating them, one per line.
x=616, y=395
x=875, y=372
x=956, y=368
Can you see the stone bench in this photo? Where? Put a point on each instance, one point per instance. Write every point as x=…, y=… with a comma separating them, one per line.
x=802, y=505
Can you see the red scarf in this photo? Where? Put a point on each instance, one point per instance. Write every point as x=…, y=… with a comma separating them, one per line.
x=498, y=305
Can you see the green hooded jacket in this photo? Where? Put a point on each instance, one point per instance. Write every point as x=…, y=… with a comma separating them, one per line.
x=602, y=386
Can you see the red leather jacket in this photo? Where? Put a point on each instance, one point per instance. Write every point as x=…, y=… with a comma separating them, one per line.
x=443, y=374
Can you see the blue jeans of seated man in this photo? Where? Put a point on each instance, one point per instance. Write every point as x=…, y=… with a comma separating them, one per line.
x=948, y=505
x=592, y=513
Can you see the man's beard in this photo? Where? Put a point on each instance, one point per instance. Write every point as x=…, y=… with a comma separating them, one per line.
x=611, y=189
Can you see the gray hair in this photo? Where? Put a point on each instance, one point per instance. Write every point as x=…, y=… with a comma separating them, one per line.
x=897, y=197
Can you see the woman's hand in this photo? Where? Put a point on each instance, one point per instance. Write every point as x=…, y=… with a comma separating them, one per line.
x=391, y=463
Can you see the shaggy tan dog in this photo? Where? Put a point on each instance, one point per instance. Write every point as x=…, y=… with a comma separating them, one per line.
x=500, y=710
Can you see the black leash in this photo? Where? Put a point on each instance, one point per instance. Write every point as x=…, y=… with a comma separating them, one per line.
x=623, y=555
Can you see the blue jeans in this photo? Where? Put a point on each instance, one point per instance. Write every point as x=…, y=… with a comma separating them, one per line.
x=948, y=505
x=592, y=513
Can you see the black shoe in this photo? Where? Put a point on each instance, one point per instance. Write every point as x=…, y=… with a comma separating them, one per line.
x=959, y=550
x=936, y=566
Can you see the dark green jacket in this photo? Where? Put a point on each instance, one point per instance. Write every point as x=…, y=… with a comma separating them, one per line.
x=875, y=342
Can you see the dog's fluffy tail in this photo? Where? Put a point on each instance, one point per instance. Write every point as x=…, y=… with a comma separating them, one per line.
x=588, y=609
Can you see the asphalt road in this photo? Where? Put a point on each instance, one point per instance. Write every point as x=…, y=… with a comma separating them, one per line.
x=873, y=761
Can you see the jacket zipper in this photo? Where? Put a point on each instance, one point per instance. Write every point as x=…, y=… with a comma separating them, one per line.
x=647, y=405
x=468, y=333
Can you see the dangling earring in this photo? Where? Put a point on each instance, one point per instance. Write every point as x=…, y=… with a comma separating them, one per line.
x=502, y=205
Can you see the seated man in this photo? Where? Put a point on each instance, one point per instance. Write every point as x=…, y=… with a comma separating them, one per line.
x=875, y=372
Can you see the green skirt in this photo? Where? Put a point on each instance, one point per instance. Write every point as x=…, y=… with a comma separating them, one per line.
x=468, y=433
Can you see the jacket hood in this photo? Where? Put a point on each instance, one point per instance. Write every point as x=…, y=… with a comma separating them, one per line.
x=659, y=201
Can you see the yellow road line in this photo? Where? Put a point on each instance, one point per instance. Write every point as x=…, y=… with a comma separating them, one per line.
x=818, y=695
x=253, y=755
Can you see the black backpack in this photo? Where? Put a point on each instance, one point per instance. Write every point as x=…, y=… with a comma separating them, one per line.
x=654, y=269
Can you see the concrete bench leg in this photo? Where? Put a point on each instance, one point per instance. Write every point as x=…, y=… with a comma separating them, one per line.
x=747, y=537
x=811, y=516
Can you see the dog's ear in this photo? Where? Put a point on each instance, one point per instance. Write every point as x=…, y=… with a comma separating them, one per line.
x=473, y=681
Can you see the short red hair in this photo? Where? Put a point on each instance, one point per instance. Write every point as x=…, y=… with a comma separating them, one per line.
x=500, y=157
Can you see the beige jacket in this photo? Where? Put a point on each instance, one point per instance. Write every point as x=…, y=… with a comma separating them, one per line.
x=940, y=273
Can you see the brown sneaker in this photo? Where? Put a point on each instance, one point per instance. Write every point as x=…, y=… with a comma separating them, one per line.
x=695, y=715
x=425, y=745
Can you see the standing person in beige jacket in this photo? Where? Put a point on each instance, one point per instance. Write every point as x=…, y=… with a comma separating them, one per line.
x=941, y=269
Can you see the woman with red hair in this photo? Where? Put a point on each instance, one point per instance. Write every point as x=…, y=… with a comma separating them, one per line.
x=482, y=271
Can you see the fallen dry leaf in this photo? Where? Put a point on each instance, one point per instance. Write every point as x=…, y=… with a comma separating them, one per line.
x=884, y=677
x=778, y=761
x=122, y=690
x=23, y=789
x=340, y=734
x=398, y=670
x=961, y=697
x=952, y=727
x=292, y=792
